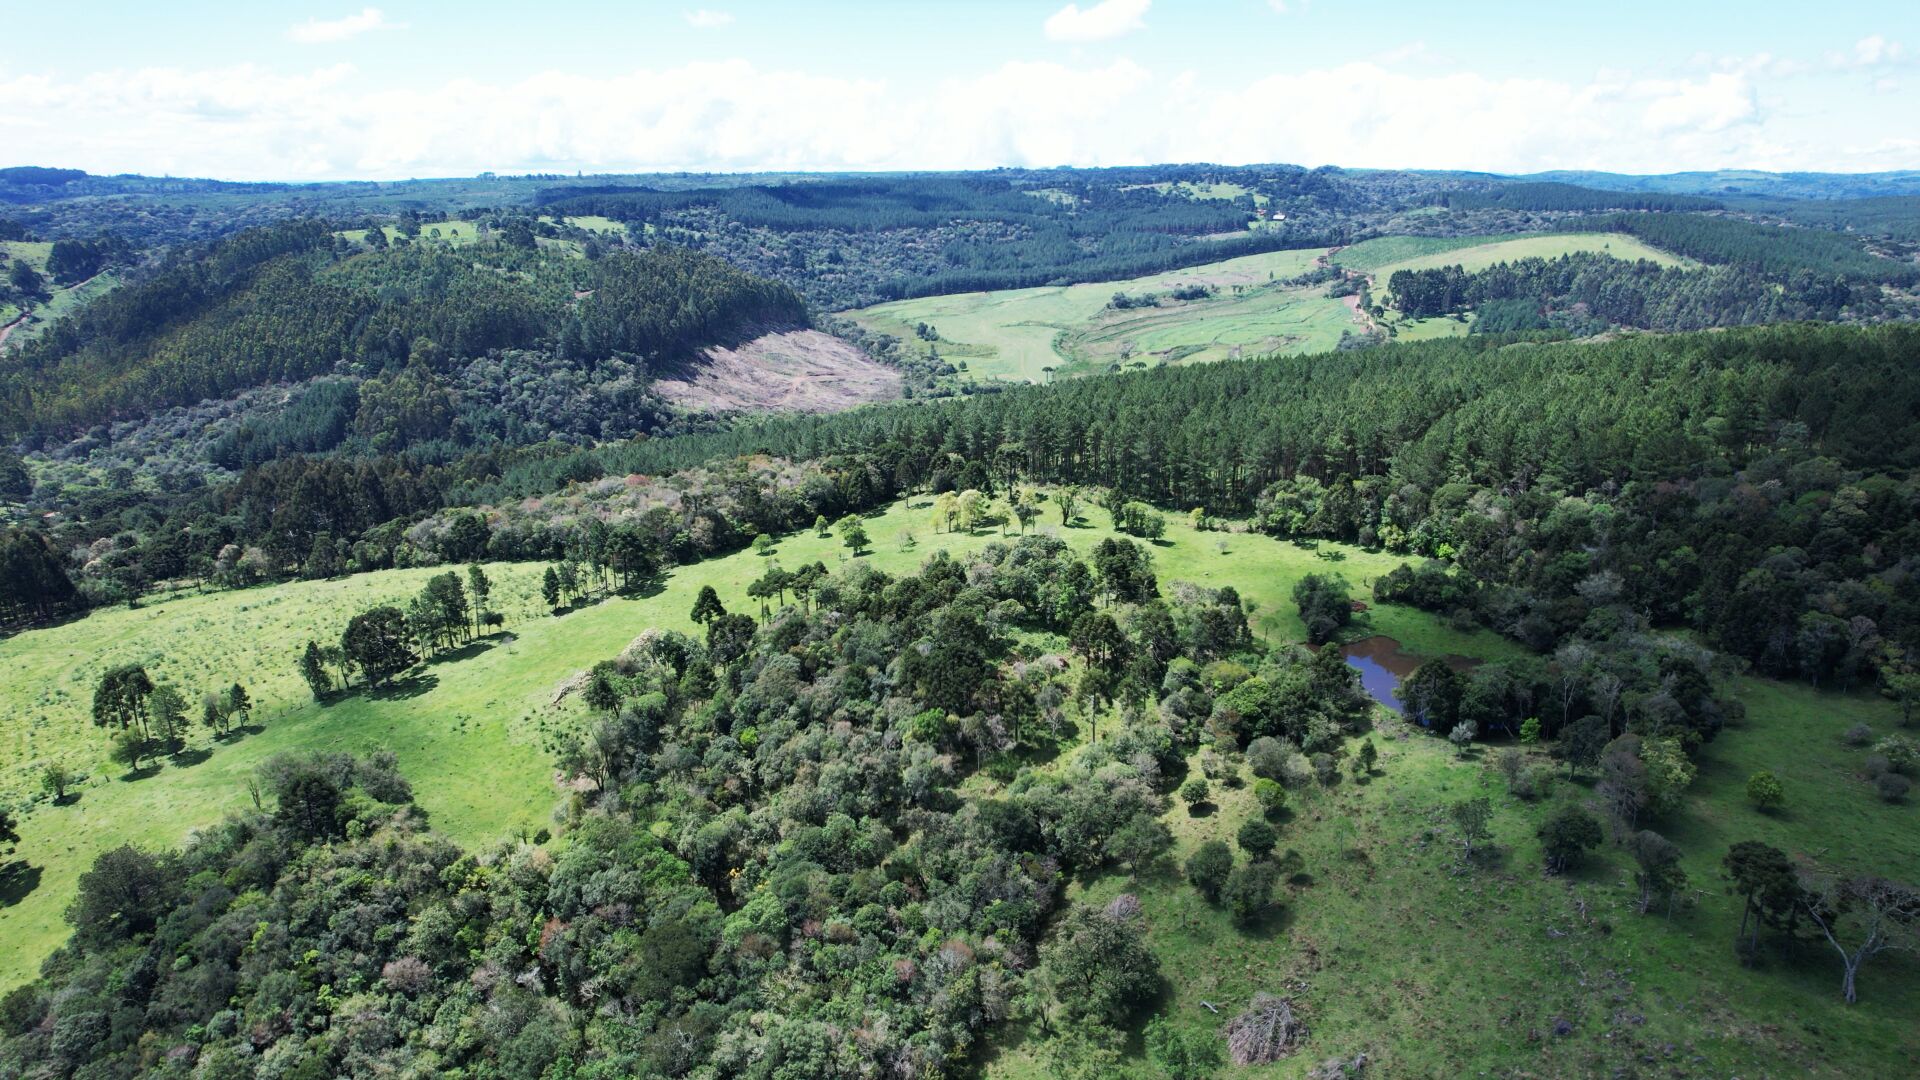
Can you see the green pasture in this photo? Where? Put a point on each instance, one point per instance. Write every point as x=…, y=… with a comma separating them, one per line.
x=1018, y=334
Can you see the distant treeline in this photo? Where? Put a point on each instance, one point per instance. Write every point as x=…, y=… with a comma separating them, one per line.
x=913, y=203
x=1598, y=288
x=1550, y=196
x=1893, y=216
x=957, y=235
x=1763, y=249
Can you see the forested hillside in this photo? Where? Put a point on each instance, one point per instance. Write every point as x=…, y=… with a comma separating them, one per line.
x=1666, y=469
x=292, y=302
x=850, y=243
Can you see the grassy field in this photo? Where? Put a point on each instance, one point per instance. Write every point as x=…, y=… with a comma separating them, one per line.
x=1386, y=949
x=468, y=734
x=1203, y=192
x=595, y=223
x=455, y=233
x=1019, y=333
x=33, y=252
x=62, y=301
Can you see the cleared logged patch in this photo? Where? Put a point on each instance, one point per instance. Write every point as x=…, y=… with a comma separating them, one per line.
x=792, y=371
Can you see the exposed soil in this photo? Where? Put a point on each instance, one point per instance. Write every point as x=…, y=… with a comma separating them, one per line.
x=790, y=371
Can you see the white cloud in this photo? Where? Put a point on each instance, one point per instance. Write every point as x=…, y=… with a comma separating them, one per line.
x=318, y=32
x=708, y=20
x=250, y=123
x=1870, y=51
x=1107, y=19
x=1712, y=104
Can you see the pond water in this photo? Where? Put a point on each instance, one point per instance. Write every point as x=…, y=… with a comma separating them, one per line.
x=1382, y=664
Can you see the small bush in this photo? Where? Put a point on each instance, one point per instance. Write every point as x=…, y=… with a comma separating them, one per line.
x=1195, y=791
x=1272, y=797
x=1765, y=792
x=1257, y=838
x=1858, y=735
x=1901, y=751
x=1892, y=786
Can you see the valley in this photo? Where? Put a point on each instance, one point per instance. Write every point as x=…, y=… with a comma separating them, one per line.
x=1166, y=622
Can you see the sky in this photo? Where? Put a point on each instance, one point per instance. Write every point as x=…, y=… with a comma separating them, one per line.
x=325, y=90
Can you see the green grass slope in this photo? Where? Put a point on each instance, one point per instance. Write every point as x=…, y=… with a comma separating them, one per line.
x=1387, y=949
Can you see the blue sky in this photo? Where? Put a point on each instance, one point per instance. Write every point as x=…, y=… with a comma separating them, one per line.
x=325, y=91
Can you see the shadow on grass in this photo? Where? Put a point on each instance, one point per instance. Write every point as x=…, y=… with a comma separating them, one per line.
x=150, y=769
x=189, y=758
x=646, y=588
x=401, y=689
x=18, y=879
x=465, y=652
x=1202, y=810
x=1272, y=921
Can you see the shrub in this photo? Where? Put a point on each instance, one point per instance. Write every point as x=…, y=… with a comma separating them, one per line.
x=1902, y=753
x=1207, y=868
x=1297, y=772
x=1249, y=891
x=1271, y=796
x=1858, y=735
x=1535, y=782
x=1892, y=786
x=1765, y=792
x=1567, y=836
x=1257, y=838
x=1194, y=792
x=1267, y=756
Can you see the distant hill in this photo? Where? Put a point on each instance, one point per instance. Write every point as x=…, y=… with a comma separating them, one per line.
x=1798, y=185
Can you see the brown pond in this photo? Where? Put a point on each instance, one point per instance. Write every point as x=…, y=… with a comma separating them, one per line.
x=1382, y=664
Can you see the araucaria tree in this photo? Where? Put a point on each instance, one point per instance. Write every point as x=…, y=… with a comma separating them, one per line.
x=313, y=669
x=120, y=699
x=377, y=643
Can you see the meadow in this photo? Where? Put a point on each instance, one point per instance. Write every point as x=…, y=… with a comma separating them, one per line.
x=468, y=732
x=1019, y=334
x=1202, y=192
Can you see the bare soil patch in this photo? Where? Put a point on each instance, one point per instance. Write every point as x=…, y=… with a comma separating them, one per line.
x=790, y=371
